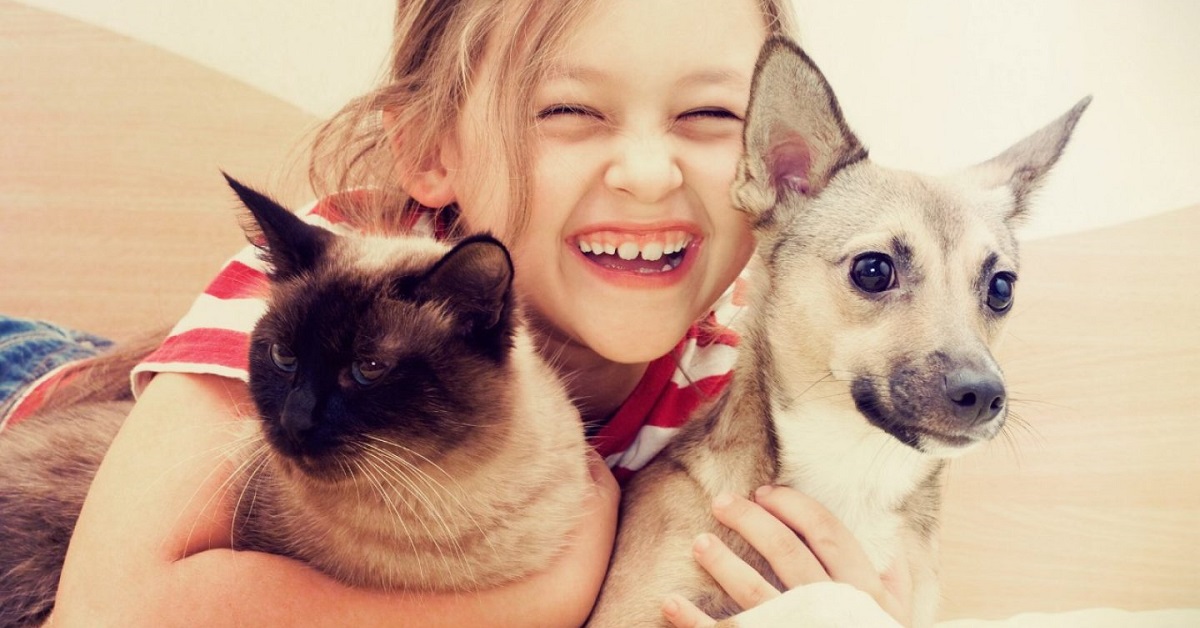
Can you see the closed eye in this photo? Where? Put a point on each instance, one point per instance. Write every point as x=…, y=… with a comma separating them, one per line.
x=564, y=109
x=709, y=124
x=711, y=112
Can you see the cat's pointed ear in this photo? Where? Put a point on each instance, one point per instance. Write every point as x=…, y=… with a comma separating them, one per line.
x=795, y=136
x=289, y=245
x=1023, y=166
x=476, y=276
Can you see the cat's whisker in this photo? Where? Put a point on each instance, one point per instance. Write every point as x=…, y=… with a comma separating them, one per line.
x=377, y=482
x=225, y=449
x=440, y=489
x=263, y=459
x=389, y=459
x=222, y=455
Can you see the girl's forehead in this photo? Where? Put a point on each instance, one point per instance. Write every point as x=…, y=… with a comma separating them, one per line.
x=628, y=34
x=700, y=41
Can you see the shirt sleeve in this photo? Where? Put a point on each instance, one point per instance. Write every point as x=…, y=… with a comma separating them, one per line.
x=213, y=338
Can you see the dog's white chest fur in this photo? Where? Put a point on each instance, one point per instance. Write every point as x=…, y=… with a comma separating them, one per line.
x=859, y=473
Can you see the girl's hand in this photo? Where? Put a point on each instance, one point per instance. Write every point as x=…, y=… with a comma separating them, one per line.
x=804, y=544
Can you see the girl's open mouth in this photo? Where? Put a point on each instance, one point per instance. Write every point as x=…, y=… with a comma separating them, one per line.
x=643, y=254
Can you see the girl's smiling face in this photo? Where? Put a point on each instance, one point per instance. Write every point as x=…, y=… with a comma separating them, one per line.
x=631, y=232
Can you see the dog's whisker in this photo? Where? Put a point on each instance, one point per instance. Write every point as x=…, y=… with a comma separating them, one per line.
x=1016, y=423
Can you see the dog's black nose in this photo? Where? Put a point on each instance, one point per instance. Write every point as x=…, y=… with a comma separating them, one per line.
x=975, y=396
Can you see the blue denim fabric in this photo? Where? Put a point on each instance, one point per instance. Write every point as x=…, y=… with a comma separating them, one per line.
x=30, y=349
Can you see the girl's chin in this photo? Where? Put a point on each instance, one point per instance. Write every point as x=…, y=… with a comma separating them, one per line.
x=636, y=343
x=605, y=336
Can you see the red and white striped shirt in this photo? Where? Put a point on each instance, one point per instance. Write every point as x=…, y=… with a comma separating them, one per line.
x=214, y=337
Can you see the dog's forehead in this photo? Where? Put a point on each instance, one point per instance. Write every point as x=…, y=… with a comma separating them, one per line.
x=868, y=201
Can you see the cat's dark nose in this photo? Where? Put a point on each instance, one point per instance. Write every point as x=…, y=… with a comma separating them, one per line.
x=297, y=416
x=975, y=396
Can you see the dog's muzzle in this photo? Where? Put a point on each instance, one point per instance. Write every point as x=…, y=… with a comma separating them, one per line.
x=938, y=404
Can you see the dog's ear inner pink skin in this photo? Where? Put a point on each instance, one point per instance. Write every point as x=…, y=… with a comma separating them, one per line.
x=789, y=162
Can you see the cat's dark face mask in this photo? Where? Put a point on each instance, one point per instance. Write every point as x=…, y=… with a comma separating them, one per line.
x=352, y=361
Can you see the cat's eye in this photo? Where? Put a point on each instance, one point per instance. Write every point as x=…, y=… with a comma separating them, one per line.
x=367, y=372
x=873, y=272
x=1000, y=292
x=283, y=358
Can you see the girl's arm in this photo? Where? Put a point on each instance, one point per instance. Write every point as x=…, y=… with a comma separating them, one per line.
x=151, y=545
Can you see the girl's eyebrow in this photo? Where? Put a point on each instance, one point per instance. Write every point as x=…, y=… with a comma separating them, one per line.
x=715, y=76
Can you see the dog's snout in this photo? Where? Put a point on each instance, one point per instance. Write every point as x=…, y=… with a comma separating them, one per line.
x=975, y=396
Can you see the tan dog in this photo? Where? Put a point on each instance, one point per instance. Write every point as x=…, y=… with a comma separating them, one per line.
x=866, y=357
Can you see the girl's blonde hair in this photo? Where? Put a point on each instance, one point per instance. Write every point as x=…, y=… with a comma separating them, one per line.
x=437, y=49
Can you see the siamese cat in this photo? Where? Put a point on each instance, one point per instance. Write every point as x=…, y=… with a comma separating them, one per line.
x=408, y=435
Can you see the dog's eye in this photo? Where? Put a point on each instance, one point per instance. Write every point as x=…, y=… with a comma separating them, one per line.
x=367, y=372
x=873, y=272
x=1000, y=292
x=283, y=358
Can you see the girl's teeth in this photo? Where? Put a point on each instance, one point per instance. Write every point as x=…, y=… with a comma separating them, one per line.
x=631, y=250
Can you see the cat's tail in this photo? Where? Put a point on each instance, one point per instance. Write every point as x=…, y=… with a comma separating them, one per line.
x=106, y=376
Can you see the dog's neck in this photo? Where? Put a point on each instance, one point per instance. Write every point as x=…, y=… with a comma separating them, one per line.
x=820, y=445
x=861, y=474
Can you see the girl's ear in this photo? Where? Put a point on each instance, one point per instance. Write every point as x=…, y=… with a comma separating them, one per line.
x=430, y=181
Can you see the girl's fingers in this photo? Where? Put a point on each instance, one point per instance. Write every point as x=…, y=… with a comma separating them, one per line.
x=793, y=562
x=824, y=534
x=742, y=582
x=683, y=614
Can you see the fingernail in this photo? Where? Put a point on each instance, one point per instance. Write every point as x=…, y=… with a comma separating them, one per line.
x=702, y=543
x=670, y=607
x=762, y=492
x=722, y=501
x=596, y=466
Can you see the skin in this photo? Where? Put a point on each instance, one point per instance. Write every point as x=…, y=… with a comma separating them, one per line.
x=638, y=135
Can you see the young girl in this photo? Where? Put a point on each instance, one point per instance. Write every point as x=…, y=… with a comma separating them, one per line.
x=599, y=141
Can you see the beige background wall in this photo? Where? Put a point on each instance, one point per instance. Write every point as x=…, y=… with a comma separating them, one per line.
x=930, y=85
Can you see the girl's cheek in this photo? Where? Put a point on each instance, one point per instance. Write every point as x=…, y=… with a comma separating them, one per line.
x=562, y=168
x=714, y=166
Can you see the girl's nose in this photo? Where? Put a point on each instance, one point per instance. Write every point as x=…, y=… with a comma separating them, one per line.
x=645, y=168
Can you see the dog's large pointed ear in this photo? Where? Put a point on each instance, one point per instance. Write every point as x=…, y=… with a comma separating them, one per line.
x=289, y=245
x=795, y=136
x=1024, y=165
